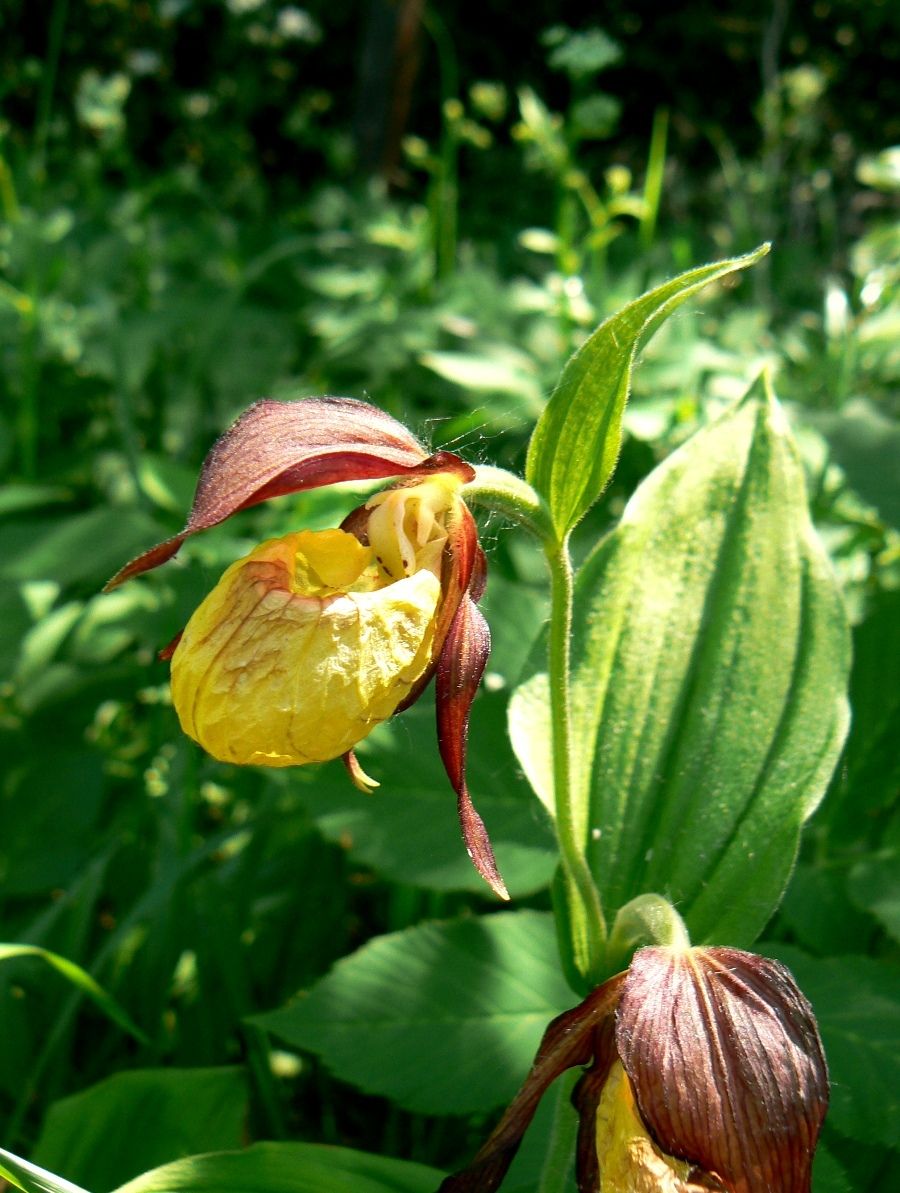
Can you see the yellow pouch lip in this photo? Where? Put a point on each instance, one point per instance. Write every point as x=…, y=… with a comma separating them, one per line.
x=267, y=676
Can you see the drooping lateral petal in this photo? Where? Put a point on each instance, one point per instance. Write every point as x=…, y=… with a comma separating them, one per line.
x=460, y=667
x=574, y=1038
x=276, y=448
x=726, y=1063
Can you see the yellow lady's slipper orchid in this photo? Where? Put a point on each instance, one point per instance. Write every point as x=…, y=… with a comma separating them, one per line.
x=313, y=639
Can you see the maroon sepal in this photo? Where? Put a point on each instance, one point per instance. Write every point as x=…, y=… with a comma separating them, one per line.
x=167, y=651
x=724, y=1056
x=276, y=448
x=461, y=663
x=574, y=1038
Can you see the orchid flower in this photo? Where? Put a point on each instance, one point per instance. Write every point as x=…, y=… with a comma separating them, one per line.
x=313, y=639
x=705, y=1071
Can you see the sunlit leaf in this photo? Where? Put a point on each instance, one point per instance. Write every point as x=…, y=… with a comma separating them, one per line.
x=16, y=499
x=78, y=548
x=710, y=667
x=287, y=1168
x=443, y=1018
x=576, y=442
x=32, y=1179
x=506, y=373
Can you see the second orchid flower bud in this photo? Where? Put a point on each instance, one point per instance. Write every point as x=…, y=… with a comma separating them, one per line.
x=705, y=1071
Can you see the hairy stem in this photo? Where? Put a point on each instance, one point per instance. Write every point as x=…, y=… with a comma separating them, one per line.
x=587, y=926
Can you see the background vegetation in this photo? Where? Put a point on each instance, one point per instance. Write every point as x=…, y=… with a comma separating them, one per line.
x=204, y=202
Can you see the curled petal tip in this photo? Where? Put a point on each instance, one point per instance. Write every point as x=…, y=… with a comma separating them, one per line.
x=478, y=845
x=459, y=671
x=360, y=780
x=167, y=651
x=443, y=461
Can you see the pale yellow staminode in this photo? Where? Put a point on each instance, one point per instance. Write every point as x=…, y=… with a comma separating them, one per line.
x=313, y=639
x=630, y=1162
x=406, y=526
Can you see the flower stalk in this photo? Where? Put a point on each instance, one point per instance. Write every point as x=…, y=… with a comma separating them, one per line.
x=510, y=495
x=583, y=926
x=585, y=920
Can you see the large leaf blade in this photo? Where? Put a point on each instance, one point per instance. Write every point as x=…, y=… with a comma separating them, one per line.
x=710, y=660
x=713, y=615
x=575, y=445
x=443, y=1018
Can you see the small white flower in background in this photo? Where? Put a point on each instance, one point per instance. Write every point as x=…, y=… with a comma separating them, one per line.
x=296, y=23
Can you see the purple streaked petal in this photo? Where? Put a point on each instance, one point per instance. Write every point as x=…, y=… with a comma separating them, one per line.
x=726, y=1063
x=276, y=448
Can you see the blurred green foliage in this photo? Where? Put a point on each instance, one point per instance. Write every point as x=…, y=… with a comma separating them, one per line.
x=184, y=227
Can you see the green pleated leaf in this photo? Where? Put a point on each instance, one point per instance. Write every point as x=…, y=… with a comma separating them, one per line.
x=442, y=1018
x=288, y=1168
x=136, y=1120
x=32, y=1179
x=710, y=662
x=575, y=445
x=80, y=979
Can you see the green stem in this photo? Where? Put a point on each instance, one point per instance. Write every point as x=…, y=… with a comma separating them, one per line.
x=556, y=1170
x=507, y=494
x=587, y=926
x=647, y=920
x=58, y=16
x=9, y=202
x=653, y=184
